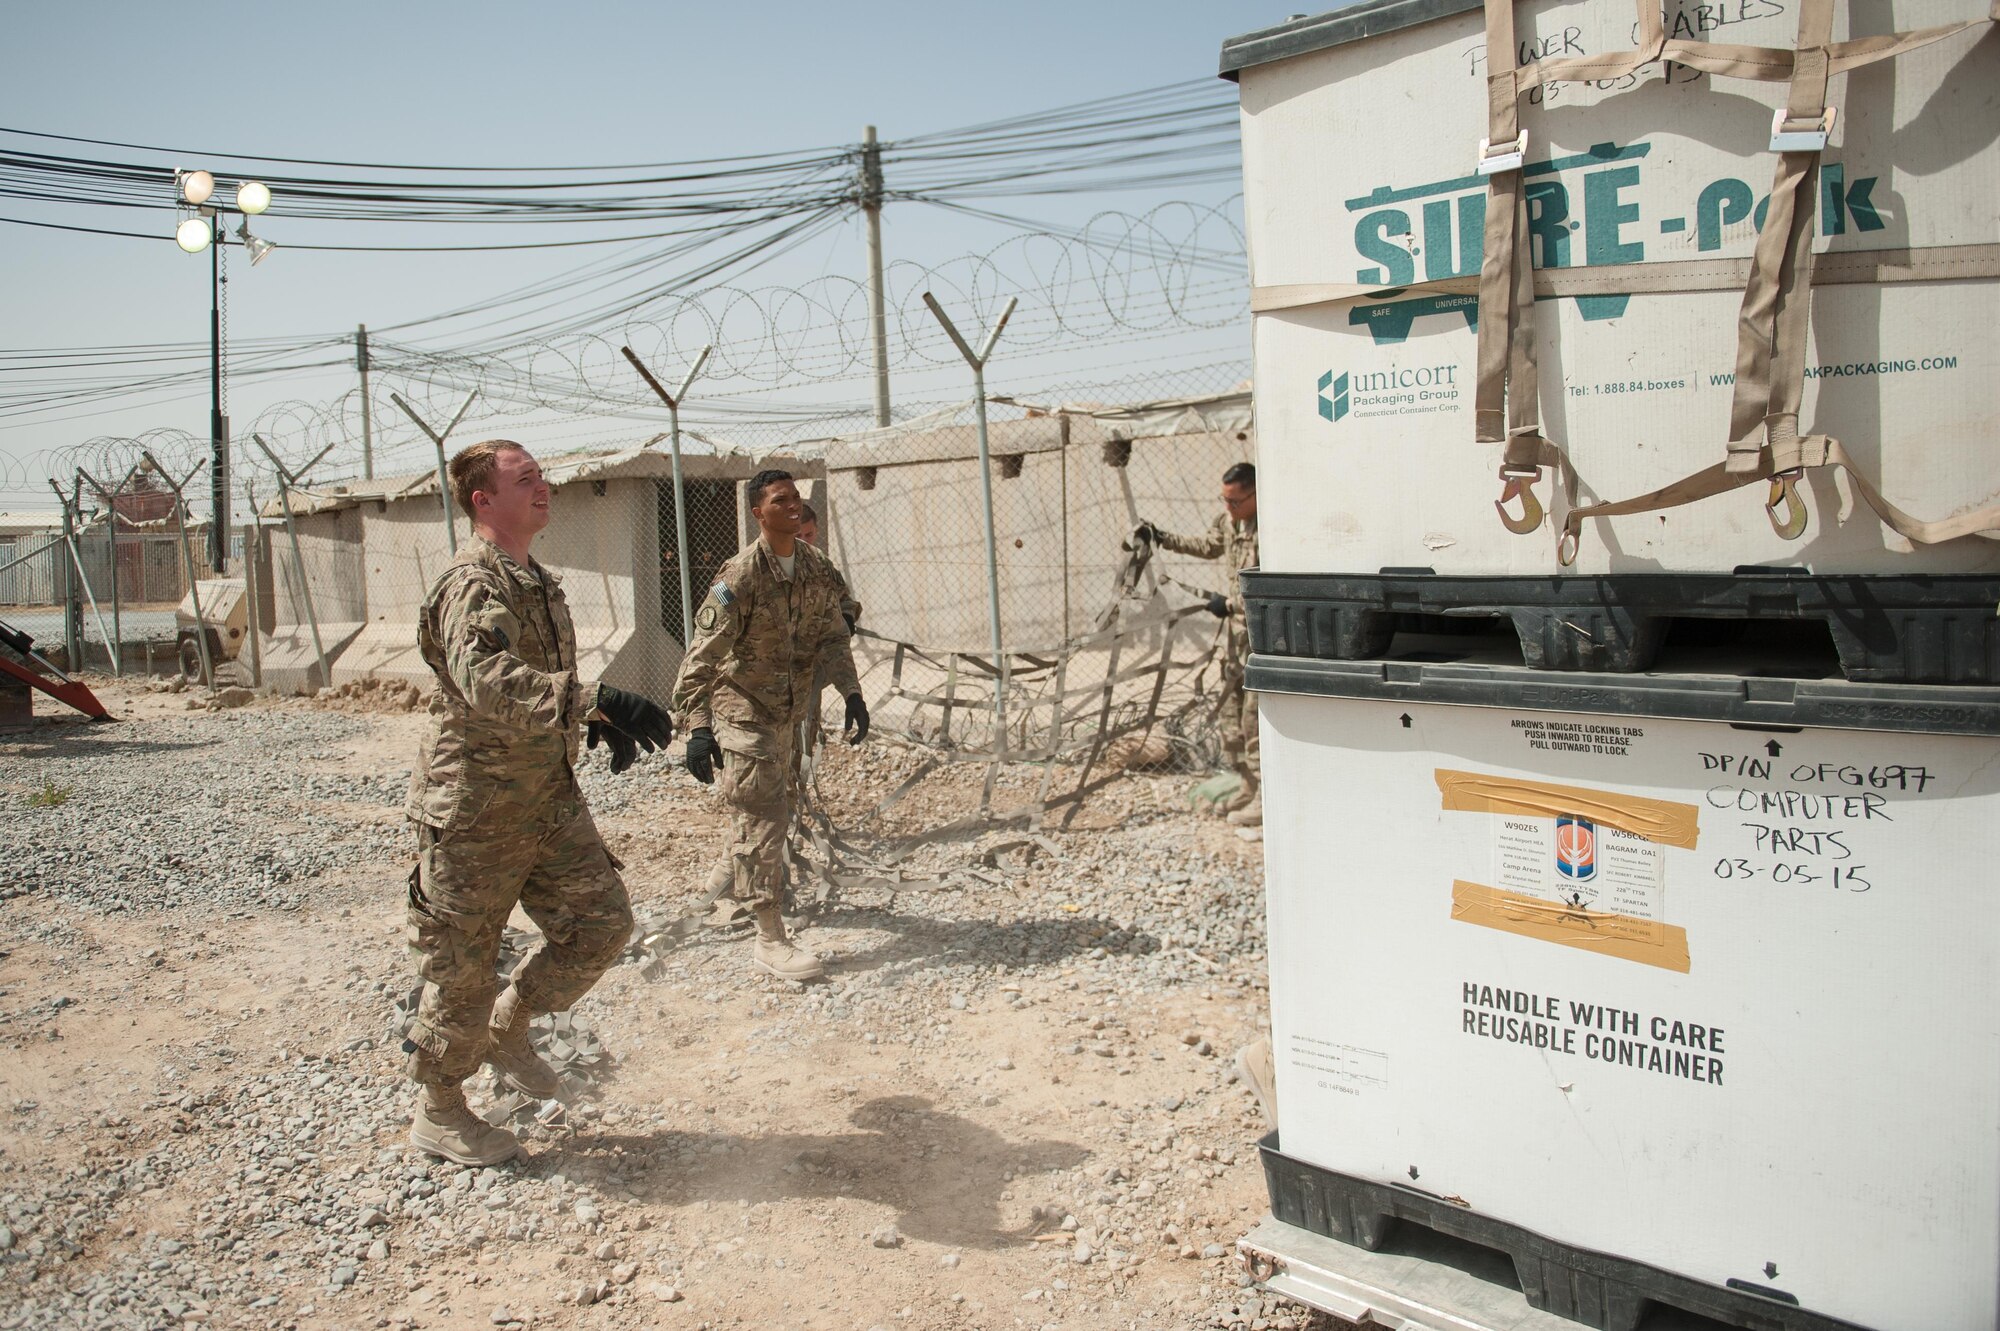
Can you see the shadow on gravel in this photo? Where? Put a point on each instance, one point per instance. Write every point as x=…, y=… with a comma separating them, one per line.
x=89, y=739
x=943, y=1174
x=921, y=937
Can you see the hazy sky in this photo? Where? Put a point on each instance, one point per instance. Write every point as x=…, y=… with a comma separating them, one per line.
x=507, y=83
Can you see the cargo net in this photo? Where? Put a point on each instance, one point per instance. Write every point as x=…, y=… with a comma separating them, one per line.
x=1136, y=693
x=1111, y=653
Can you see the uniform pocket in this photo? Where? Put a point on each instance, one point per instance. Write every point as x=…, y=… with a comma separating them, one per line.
x=749, y=781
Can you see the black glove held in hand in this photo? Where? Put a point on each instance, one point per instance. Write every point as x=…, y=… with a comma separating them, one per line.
x=638, y=716
x=856, y=728
x=1219, y=606
x=704, y=755
x=624, y=749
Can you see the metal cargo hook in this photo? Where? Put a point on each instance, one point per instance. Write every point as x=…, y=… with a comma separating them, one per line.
x=1520, y=487
x=1784, y=491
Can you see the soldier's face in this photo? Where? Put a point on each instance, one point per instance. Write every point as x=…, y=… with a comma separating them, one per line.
x=1240, y=500
x=781, y=512
x=518, y=504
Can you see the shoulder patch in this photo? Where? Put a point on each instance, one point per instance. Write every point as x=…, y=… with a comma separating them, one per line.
x=488, y=619
x=705, y=618
x=722, y=594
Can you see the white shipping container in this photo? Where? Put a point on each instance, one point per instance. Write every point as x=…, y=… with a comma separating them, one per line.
x=1364, y=217
x=1724, y=1001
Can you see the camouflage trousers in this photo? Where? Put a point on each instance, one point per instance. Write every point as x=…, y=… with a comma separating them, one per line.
x=1237, y=718
x=756, y=780
x=722, y=878
x=466, y=883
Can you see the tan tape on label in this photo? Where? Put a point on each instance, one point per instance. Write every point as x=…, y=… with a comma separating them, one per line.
x=1627, y=937
x=1664, y=821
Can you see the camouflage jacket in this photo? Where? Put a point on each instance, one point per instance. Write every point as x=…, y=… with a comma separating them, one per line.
x=850, y=615
x=761, y=642
x=506, y=705
x=1236, y=542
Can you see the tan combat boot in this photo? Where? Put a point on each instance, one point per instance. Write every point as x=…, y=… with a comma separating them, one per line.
x=776, y=954
x=728, y=912
x=510, y=1053
x=447, y=1126
x=1250, y=815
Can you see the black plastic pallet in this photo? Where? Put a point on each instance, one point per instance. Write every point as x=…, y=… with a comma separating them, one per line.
x=1885, y=629
x=1598, y=1290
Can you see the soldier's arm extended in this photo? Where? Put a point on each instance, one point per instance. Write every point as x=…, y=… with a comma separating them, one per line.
x=850, y=609
x=1211, y=544
x=834, y=661
x=717, y=625
x=477, y=632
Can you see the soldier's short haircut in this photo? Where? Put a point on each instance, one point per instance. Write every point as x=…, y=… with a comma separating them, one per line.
x=808, y=513
x=763, y=481
x=472, y=467
x=1243, y=474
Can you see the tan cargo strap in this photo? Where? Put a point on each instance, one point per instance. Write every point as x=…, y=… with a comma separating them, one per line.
x=1937, y=263
x=1772, y=325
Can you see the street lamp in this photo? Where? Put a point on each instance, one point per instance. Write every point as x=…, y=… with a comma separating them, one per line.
x=205, y=231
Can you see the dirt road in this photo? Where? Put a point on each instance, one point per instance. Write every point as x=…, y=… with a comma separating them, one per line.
x=1011, y=1103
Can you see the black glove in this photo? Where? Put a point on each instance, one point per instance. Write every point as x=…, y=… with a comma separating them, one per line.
x=1145, y=533
x=850, y=622
x=856, y=728
x=639, y=717
x=1218, y=605
x=704, y=755
x=624, y=749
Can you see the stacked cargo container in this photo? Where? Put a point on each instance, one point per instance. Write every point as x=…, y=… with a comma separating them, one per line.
x=1627, y=915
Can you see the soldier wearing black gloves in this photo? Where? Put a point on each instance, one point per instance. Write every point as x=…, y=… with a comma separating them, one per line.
x=770, y=628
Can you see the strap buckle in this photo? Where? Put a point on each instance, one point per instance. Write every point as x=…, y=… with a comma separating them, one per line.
x=1508, y=159
x=1801, y=140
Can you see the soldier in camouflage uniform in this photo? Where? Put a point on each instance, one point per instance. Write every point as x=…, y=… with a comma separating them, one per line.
x=1232, y=537
x=499, y=817
x=735, y=913
x=767, y=629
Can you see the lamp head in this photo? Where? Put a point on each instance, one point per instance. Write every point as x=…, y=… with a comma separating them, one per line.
x=196, y=186
x=253, y=197
x=193, y=235
x=258, y=247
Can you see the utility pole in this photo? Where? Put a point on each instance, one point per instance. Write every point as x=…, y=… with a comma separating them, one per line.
x=878, y=316
x=218, y=428
x=367, y=430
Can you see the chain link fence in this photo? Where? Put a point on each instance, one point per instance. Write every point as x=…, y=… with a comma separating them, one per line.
x=1105, y=655
x=84, y=601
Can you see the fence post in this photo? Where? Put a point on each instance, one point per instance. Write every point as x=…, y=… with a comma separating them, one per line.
x=77, y=663
x=977, y=360
x=1062, y=451
x=285, y=481
x=252, y=622
x=673, y=402
x=444, y=478
x=187, y=558
x=72, y=612
x=111, y=508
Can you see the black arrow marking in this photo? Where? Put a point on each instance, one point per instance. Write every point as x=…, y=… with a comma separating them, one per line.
x=1773, y=749
x=1406, y=720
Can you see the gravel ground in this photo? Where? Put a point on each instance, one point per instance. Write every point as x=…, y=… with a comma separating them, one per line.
x=1009, y=1105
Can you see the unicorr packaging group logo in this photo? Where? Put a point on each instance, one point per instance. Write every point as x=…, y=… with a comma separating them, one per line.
x=1335, y=407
